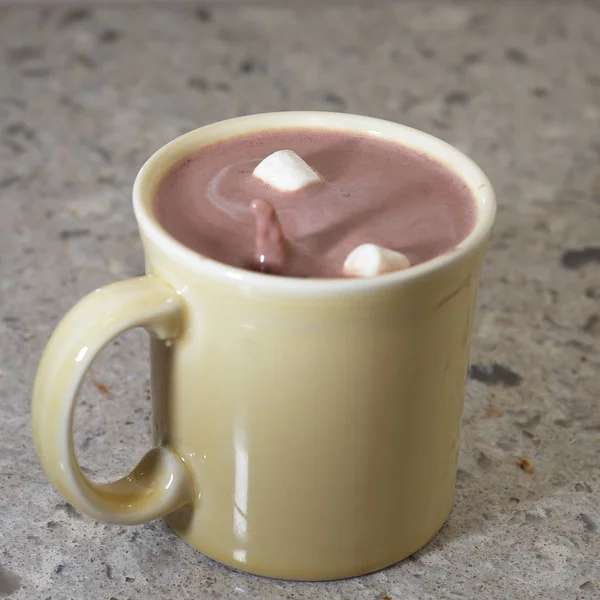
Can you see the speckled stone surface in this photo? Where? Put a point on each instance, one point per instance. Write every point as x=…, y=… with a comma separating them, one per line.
x=87, y=95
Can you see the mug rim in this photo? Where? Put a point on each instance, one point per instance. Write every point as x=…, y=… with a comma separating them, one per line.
x=164, y=158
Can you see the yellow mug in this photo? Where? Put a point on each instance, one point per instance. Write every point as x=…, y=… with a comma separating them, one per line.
x=304, y=429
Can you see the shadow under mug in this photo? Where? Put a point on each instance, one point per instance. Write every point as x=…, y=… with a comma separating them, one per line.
x=304, y=429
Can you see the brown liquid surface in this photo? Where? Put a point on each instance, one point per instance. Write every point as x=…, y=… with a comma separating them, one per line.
x=374, y=191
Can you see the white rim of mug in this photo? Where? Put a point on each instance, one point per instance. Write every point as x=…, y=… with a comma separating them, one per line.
x=162, y=160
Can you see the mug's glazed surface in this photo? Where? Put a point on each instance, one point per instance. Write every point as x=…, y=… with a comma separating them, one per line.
x=304, y=429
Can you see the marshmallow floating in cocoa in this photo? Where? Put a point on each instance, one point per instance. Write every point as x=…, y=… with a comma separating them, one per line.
x=285, y=171
x=368, y=260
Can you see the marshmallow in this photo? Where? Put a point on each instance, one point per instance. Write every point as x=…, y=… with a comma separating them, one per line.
x=368, y=260
x=285, y=171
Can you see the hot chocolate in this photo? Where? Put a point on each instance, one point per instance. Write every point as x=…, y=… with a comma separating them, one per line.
x=371, y=191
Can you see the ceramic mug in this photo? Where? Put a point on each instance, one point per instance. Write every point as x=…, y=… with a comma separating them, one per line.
x=304, y=429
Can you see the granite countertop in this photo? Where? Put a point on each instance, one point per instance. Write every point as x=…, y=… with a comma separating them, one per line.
x=87, y=94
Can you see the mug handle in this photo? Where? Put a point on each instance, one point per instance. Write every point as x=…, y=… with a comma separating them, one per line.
x=160, y=483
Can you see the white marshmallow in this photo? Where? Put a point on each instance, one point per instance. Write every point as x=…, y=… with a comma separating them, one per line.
x=285, y=171
x=368, y=260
